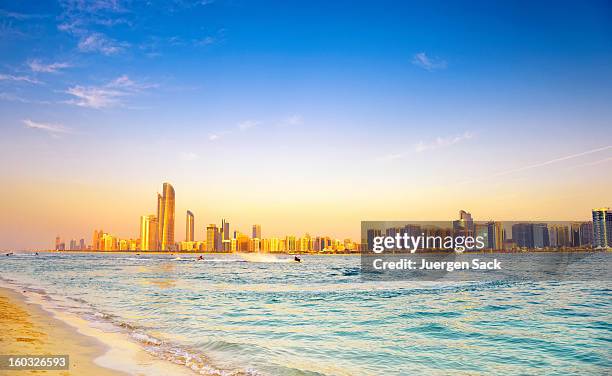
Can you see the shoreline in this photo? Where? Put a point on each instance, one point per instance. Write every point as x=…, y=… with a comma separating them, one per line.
x=29, y=330
x=32, y=327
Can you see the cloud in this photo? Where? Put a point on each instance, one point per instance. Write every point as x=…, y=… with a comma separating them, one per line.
x=551, y=161
x=421, y=146
x=52, y=129
x=293, y=120
x=98, y=42
x=109, y=95
x=545, y=163
x=79, y=16
x=391, y=157
x=20, y=16
x=37, y=66
x=213, y=137
x=442, y=142
x=188, y=156
x=248, y=124
x=94, y=97
x=204, y=41
x=593, y=163
x=16, y=98
x=428, y=63
x=10, y=77
x=125, y=83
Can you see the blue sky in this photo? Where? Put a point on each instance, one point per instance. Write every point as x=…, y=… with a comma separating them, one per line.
x=275, y=108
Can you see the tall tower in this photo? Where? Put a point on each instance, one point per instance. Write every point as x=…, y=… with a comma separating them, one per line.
x=189, y=227
x=165, y=211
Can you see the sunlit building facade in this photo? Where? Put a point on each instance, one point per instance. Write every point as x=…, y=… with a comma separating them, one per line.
x=148, y=233
x=165, y=216
x=189, y=227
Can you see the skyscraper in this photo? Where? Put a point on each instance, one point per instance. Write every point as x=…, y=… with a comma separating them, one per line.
x=189, y=227
x=256, y=232
x=165, y=212
x=602, y=228
x=495, y=232
x=148, y=233
x=586, y=233
x=212, y=236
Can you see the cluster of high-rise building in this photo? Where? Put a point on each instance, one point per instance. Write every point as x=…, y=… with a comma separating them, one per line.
x=74, y=245
x=157, y=234
x=596, y=234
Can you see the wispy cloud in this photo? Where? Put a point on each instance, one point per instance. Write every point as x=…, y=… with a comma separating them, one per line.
x=188, y=156
x=241, y=126
x=421, y=146
x=442, y=142
x=391, y=157
x=109, y=95
x=78, y=15
x=208, y=40
x=428, y=63
x=125, y=83
x=293, y=120
x=20, y=16
x=94, y=97
x=16, y=98
x=39, y=67
x=98, y=42
x=545, y=163
x=551, y=161
x=594, y=163
x=53, y=129
x=10, y=77
x=248, y=124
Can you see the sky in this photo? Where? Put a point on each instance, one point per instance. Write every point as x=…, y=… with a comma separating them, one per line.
x=300, y=116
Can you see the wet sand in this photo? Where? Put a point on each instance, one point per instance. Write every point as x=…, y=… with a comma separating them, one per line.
x=26, y=328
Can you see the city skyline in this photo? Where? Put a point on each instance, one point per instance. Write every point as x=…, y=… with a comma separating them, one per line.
x=596, y=233
x=301, y=118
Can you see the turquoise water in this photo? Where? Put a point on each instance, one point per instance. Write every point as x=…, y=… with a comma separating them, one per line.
x=266, y=316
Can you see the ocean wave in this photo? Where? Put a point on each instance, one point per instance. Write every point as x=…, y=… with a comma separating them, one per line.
x=192, y=359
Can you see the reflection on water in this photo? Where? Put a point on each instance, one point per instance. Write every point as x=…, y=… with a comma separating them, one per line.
x=268, y=315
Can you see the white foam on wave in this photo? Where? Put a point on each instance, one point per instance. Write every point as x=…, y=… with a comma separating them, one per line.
x=263, y=257
x=125, y=344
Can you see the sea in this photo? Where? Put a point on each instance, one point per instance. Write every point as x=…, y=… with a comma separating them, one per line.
x=261, y=314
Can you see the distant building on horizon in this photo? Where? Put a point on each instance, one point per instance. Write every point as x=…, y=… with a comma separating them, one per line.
x=256, y=232
x=586, y=234
x=189, y=227
x=496, y=235
x=226, y=241
x=602, y=228
x=530, y=235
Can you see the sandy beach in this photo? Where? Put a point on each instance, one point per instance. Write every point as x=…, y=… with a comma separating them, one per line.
x=30, y=329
